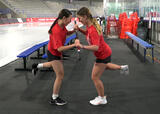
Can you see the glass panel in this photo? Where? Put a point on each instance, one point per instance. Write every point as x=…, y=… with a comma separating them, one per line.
x=118, y=6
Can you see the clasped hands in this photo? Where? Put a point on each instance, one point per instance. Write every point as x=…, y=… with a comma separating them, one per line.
x=78, y=44
x=77, y=41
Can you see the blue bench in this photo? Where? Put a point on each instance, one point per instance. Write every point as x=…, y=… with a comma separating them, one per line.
x=45, y=56
x=37, y=47
x=68, y=40
x=142, y=43
x=29, y=51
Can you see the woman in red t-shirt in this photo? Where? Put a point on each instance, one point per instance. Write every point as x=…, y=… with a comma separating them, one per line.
x=58, y=33
x=101, y=50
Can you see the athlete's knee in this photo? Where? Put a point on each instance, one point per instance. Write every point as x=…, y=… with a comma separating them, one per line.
x=94, y=77
x=60, y=75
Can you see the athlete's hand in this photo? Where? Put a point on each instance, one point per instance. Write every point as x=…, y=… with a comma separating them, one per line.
x=76, y=27
x=77, y=41
x=79, y=45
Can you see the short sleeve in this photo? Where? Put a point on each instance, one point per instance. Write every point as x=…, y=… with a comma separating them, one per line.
x=94, y=38
x=57, y=40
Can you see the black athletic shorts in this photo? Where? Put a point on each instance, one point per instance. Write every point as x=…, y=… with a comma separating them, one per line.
x=106, y=60
x=52, y=57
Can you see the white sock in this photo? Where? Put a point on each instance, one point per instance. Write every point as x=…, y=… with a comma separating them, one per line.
x=102, y=97
x=123, y=66
x=54, y=96
x=40, y=65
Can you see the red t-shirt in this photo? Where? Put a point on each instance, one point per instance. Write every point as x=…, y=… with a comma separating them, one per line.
x=93, y=38
x=57, y=39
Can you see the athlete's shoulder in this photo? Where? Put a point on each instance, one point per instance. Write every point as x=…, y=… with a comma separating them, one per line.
x=91, y=29
x=56, y=28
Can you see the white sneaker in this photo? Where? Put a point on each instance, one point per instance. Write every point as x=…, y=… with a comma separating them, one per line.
x=99, y=101
x=124, y=69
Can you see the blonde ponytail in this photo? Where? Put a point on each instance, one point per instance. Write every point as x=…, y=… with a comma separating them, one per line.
x=97, y=26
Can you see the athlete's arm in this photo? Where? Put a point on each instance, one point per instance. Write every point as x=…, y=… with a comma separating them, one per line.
x=63, y=48
x=70, y=32
x=91, y=47
x=82, y=30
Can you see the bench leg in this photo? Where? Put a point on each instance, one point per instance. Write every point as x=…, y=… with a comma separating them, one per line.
x=132, y=43
x=137, y=47
x=38, y=55
x=152, y=55
x=24, y=66
x=44, y=50
x=144, y=55
x=24, y=62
